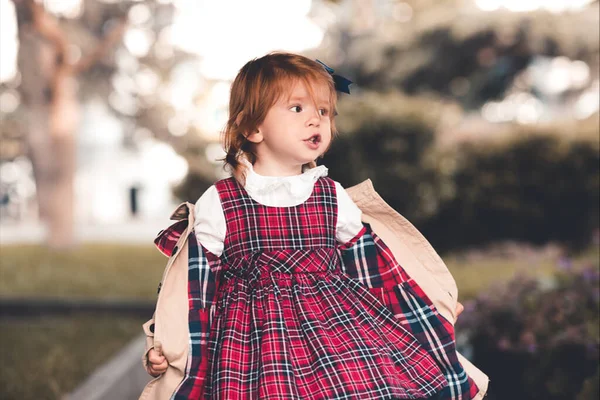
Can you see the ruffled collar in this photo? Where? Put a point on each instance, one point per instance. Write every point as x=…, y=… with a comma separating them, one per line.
x=295, y=185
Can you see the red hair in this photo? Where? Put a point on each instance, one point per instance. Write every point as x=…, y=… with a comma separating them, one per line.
x=256, y=88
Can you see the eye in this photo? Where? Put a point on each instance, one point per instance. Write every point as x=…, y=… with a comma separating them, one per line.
x=296, y=109
x=324, y=111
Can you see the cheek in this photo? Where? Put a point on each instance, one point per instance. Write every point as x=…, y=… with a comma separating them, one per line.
x=327, y=137
x=328, y=130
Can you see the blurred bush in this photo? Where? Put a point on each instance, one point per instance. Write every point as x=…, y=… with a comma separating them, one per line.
x=470, y=57
x=537, y=185
x=386, y=138
x=530, y=183
x=538, y=339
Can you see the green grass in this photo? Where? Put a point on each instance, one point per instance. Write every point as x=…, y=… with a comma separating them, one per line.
x=474, y=276
x=45, y=358
x=92, y=270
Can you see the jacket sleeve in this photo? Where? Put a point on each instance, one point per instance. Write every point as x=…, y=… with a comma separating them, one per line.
x=203, y=271
x=367, y=259
x=203, y=267
x=148, y=328
x=166, y=242
x=203, y=284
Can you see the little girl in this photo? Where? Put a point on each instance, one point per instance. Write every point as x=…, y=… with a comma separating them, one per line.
x=287, y=293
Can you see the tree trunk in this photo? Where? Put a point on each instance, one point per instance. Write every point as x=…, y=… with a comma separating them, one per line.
x=49, y=91
x=38, y=143
x=64, y=121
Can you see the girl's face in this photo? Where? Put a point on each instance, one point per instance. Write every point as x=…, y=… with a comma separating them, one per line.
x=295, y=131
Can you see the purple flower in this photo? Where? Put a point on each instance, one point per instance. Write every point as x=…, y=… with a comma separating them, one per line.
x=590, y=274
x=565, y=263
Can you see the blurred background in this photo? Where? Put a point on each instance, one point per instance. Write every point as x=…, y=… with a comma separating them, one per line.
x=478, y=120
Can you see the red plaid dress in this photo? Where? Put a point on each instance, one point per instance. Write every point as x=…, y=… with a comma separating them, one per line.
x=289, y=323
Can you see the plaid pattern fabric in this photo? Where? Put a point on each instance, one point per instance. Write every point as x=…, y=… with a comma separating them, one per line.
x=368, y=260
x=285, y=322
x=203, y=272
x=167, y=239
x=203, y=269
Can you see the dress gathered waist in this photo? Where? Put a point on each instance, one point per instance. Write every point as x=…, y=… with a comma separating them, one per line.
x=284, y=262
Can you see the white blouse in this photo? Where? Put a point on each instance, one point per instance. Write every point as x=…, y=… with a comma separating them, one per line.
x=272, y=191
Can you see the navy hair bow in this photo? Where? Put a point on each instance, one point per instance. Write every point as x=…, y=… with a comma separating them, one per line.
x=341, y=84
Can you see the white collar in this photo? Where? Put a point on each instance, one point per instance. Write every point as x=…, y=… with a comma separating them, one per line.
x=295, y=185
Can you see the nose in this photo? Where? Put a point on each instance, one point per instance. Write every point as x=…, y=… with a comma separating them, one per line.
x=314, y=120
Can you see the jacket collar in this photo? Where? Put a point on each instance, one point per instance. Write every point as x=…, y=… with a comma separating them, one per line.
x=167, y=239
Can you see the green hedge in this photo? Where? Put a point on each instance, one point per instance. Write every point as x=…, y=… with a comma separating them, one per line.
x=536, y=187
x=532, y=184
x=386, y=139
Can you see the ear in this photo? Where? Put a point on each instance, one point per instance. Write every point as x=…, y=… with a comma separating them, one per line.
x=255, y=137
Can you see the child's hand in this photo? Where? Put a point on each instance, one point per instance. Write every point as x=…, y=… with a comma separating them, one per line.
x=157, y=363
x=459, y=309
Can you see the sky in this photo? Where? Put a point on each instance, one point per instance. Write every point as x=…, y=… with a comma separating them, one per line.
x=532, y=5
x=224, y=40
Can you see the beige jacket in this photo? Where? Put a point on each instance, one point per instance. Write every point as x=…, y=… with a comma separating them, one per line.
x=410, y=248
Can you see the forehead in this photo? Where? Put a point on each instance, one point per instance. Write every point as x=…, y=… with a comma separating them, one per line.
x=299, y=90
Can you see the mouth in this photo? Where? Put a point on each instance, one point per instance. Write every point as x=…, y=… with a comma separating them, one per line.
x=314, y=139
